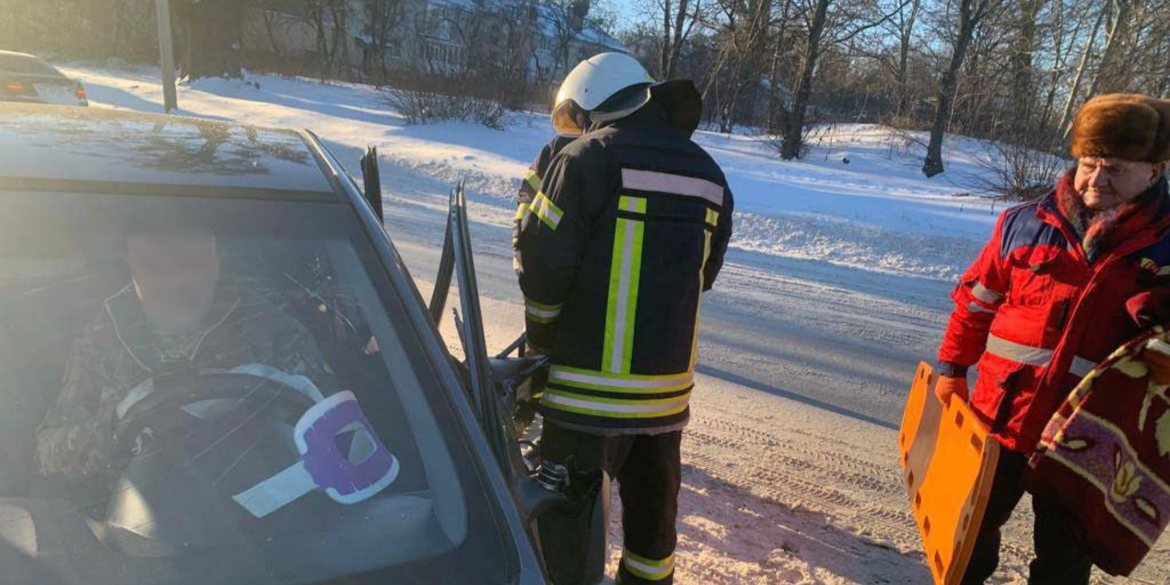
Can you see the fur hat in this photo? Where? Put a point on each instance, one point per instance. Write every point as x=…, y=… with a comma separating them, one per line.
x=1126, y=126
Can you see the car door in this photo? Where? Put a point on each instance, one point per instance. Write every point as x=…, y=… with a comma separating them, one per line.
x=492, y=382
x=501, y=387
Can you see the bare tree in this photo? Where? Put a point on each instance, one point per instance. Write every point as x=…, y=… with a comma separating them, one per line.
x=747, y=26
x=383, y=27
x=1064, y=29
x=1023, y=85
x=1075, y=86
x=780, y=49
x=907, y=16
x=565, y=19
x=210, y=32
x=971, y=14
x=862, y=18
x=1119, y=28
x=330, y=21
x=679, y=18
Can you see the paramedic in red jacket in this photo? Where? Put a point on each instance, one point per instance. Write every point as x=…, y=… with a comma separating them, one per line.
x=1064, y=281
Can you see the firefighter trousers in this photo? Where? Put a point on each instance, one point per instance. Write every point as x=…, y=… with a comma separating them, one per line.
x=648, y=471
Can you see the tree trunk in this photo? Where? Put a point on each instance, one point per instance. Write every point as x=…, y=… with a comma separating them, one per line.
x=680, y=36
x=339, y=46
x=213, y=31
x=664, y=57
x=1023, y=84
x=794, y=124
x=1060, y=61
x=774, y=99
x=760, y=10
x=907, y=31
x=933, y=165
x=1112, y=45
x=1076, y=83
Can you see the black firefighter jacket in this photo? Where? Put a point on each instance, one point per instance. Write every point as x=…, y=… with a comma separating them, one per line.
x=628, y=229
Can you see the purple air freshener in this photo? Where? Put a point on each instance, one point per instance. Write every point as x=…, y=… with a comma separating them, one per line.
x=323, y=465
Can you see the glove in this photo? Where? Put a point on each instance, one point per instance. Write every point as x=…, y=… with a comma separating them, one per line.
x=952, y=386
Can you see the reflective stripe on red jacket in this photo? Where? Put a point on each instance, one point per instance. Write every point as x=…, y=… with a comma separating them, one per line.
x=1036, y=315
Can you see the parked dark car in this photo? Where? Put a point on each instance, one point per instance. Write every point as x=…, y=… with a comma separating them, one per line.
x=311, y=427
x=27, y=78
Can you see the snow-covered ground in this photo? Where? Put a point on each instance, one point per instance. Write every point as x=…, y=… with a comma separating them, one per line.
x=835, y=287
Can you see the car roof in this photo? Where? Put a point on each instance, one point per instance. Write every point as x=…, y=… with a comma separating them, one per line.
x=64, y=148
x=15, y=59
x=16, y=54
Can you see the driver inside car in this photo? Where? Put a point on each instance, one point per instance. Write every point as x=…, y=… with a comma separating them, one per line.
x=176, y=317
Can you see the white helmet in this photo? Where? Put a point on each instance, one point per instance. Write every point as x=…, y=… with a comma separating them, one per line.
x=591, y=83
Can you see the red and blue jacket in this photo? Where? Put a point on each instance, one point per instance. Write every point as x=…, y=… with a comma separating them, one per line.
x=1036, y=315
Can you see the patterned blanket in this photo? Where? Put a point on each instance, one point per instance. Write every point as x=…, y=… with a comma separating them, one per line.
x=1105, y=459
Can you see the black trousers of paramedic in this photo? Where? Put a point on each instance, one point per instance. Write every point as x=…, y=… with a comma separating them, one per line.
x=648, y=471
x=1058, y=561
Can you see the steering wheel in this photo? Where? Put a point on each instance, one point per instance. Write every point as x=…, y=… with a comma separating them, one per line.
x=163, y=408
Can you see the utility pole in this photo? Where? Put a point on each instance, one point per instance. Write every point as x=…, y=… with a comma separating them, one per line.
x=167, y=55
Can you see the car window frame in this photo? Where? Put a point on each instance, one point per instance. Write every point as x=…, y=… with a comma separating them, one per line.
x=526, y=564
x=51, y=71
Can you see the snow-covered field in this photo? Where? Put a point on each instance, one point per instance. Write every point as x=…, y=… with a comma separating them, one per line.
x=835, y=287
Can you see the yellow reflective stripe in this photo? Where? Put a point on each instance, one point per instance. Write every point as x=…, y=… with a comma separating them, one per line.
x=712, y=217
x=632, y=204
x=699, y=301
x=612, y=407
x=652, y=570
x=546, y=210
x=621, y=385
x=625, y=271
x=542, y=306
x=521, y=210
x=541, y=313
x=533, y=179
x=541, y=205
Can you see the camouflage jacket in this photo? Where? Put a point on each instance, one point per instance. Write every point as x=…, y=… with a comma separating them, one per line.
x=120, y=350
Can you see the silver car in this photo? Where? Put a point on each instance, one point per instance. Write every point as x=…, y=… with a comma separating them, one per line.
x=26, y=78
x=215, y=368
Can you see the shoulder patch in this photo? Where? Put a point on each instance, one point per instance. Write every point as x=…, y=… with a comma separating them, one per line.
x=1022, y=228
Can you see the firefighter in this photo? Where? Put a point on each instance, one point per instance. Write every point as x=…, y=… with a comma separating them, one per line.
x=1064, y=281
x=531, y=183
x=628, y=229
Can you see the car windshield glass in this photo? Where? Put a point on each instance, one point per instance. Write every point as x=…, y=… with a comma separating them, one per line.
x=25, y=65
x=219, y=386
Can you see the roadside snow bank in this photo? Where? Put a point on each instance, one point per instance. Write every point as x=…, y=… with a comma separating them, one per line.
x=846, y=243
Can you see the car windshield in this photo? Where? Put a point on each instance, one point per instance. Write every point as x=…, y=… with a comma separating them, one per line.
x=26, y=65
x=227, y=387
